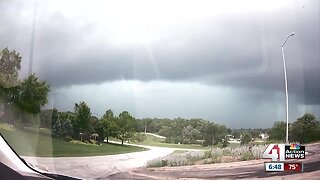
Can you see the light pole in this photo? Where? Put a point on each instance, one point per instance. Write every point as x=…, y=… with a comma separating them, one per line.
x=286, y=86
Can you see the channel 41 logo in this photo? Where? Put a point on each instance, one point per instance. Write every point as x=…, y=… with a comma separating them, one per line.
x=281, y=152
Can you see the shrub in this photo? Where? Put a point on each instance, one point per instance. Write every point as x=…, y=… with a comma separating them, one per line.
x=182, y=159
x=159, y=163
x=246, y=156
x=257, y=151
x=207, y=154
x=225, y=143
x=214, y=155
x=226, y=151
x=217, y=152
x=246, y=138
x=217, y=155
x=68, y=138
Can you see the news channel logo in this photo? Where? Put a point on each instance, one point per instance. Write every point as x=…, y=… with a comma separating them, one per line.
x=278, y=153
x=281, y=152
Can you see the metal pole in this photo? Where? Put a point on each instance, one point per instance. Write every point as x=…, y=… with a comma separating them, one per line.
x=145, y=128
x=32, y=37
x=286, y=87
x=287, y=98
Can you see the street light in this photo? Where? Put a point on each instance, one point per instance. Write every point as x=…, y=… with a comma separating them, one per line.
x=286, y=86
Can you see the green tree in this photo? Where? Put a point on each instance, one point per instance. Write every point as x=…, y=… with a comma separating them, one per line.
x=221, y=133
x=93, y=124
x=236, y=134
x=32, y=94
x=140, y=137
x=190, y=134
x=214, y=133
x=305, y=129
x=57, y=129
x=168, y=132
x=9, y=66
x=81, y=121
x=108, y=114
x=246, y=138
x=66, y=128
x=125, y=126
x=229, y=131
x=278, y=131
x=46, y=118
x=107, y=126
x=254, y=133
x=55, y=115
x=225, y=142
x=28, y=98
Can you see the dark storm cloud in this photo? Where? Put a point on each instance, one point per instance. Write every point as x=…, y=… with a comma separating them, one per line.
x=235, y=50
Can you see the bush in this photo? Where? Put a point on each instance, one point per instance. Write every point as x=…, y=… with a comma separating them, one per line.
x=257, y=151
x=160, y=163
x=68, y=138
x=246, y=156
x=226, y=151
x=217, y=152
x=225, y=143
x=207, y=154
x=246, y=138
x=215, y=155
x=182, y=159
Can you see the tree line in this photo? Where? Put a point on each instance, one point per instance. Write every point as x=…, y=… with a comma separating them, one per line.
x=81, y=124
x=186, y=131
x=178, y=130
x=66, y=125
x=305, y=129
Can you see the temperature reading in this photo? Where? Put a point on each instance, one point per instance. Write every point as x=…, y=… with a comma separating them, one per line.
x=292, y=166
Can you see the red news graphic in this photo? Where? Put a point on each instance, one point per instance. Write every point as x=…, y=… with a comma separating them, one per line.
x=293, y=167
x=278, y=153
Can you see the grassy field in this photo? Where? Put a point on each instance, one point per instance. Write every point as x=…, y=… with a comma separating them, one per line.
x=178, y=152
x=28, y=142
x=155, y=141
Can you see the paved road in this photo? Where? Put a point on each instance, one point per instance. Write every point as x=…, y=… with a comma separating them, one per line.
x=237, y=170
x=100, y=166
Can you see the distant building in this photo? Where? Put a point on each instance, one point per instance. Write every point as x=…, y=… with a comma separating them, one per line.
x=231, y=139
x=264, y=135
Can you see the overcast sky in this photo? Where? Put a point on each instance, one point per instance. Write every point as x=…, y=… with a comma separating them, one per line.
x=220, y=61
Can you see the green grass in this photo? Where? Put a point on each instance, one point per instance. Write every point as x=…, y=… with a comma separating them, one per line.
x=233, y=145
x=43, y=131
x=30, y=143
x=184, y=146
x=155, y=141
x=6, y=127
x=178, y=152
